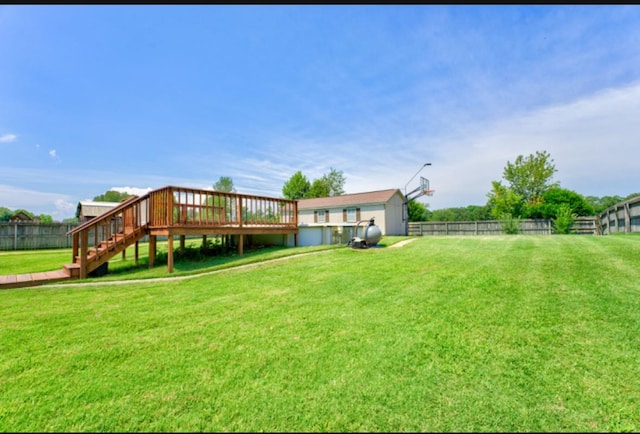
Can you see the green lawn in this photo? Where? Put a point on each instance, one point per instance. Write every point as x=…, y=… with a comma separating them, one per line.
x=500, y=333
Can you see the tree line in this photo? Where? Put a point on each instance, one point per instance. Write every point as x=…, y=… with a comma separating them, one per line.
x=527, y=190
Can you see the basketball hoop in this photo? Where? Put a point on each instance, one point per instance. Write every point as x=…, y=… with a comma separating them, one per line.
x=424, y=186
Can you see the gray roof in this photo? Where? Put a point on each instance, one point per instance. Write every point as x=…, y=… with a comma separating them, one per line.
x=368, y=198
x=92, y=209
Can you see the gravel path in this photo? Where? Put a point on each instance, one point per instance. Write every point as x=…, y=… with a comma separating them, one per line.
x=402, y=243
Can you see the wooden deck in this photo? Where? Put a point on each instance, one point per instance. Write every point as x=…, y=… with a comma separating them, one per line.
x=32, y=279
x=177, y=211
x=169, y=211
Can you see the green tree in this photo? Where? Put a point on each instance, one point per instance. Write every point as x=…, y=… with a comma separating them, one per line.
x=45, y=218
x=334, y=180
x=224, y=183
x=417, y=211
x=503, y=200
x=529, y=177
x=5, y=214
x=112, y=196
x=329, y=184
x=444, y=215
x=296, y=187
x=319, y=188
x=600, y=204
x=469, y=213
x=552, y=201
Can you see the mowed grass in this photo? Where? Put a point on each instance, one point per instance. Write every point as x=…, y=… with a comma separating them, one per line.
x=500, y=333
x=30, y=261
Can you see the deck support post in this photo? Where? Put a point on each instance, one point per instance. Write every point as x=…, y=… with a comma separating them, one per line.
x=152, y=249
x=75, y=246
x=136, y=252
x=182, y=242
x=240, y=244
x=170, y=253
x=84, y=251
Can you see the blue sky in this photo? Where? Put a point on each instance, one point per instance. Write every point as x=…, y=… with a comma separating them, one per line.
x=94, y=98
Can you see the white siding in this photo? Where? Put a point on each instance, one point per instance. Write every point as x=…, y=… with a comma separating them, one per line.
x=394, y=223
x=388, y=217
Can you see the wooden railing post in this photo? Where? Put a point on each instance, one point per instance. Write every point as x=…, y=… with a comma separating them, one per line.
x=75, y=246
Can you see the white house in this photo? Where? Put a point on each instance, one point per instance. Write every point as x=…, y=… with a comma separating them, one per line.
x=332, y=220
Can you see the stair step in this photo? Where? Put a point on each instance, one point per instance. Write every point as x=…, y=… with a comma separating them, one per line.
x=71, y=270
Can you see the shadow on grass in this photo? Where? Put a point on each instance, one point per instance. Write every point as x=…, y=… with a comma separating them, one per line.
x=195, y=259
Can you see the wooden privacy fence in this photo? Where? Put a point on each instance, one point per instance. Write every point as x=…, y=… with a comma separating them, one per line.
x=582, y=225
x=623, y=217
x=31, y=236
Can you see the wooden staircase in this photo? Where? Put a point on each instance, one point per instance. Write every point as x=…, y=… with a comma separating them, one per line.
x=109, y=234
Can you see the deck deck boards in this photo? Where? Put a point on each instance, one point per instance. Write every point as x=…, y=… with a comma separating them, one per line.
x=31, y=279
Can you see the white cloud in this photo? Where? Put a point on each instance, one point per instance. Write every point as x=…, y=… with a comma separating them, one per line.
x=8, y=138
x=38, y=202
x=593, y=142
x=132, y=190
x=52, y=154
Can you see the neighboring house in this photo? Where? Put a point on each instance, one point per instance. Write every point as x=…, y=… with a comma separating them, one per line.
x=332, y=220
x=88, y=209
x=22, y=217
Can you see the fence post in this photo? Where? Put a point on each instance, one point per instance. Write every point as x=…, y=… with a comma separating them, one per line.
x=627, y=218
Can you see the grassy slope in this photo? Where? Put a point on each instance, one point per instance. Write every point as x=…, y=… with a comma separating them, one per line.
x=444, y=334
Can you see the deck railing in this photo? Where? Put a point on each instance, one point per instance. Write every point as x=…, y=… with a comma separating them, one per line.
x=186, y=207
x=177, y=211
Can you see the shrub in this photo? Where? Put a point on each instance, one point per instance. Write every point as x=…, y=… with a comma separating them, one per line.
x=564, y=219
x=510, y=224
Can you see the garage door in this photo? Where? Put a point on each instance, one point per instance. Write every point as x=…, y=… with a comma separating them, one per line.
x=309, y=236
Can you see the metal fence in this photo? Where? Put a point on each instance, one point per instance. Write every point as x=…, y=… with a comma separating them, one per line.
x=582, y=225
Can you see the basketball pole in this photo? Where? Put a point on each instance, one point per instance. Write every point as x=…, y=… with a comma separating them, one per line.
x=406, y=200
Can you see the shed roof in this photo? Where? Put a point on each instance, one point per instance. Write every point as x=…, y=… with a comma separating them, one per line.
x=92, y=209
x=367, y=198
x=21, y=216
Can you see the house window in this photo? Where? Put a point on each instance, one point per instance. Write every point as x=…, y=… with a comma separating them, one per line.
x=351, y=215
x=321, y=216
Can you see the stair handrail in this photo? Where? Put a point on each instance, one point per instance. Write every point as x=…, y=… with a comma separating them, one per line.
x=108, y=214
